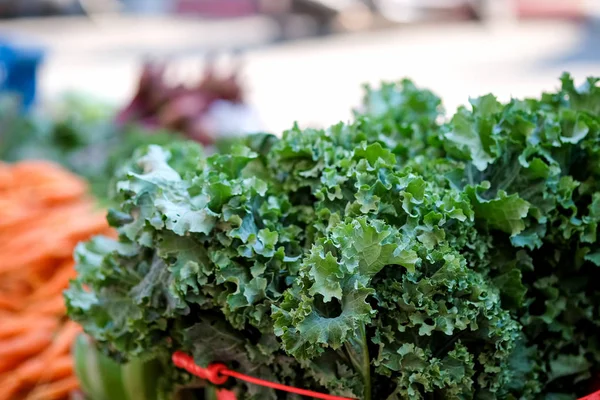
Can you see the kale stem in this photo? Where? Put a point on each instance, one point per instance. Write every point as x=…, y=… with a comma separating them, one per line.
x=358, y=352
x=210, y=393
x=366, y=363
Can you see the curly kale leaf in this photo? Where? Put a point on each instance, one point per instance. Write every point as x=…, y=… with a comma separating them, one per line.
x=399, y=256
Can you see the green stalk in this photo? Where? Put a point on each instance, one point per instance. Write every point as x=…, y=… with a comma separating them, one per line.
x=210, y=393
x=358, y=352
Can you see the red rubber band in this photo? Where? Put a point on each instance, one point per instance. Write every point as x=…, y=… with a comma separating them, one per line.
x=213, y=374
x=217, y=374
x=225, y=395
x=593, y=396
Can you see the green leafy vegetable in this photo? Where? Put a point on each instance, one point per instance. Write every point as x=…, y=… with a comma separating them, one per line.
x=402, y=256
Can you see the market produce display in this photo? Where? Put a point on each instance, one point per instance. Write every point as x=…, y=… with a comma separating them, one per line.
x=91, y=138
x=405, y=255
x=79, y=133
x=44, y=213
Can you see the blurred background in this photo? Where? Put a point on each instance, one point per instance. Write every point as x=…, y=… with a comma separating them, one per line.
x=297, y=60
x=83, y=83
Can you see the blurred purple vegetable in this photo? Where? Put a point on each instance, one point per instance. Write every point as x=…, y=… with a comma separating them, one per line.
x=185, y=109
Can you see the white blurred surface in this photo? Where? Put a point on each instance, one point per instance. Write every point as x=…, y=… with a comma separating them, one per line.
x=317, y=81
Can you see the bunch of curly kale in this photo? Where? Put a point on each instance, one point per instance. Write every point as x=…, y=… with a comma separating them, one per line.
x=401, y=256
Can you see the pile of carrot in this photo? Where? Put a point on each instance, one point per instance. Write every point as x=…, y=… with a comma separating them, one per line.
x=44, y=213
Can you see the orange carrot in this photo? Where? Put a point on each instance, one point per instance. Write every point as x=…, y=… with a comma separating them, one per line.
x=57, y=283
x=7, y=303
x=63, y=340
x=22, y=325
x=52, y=306
x=23, y=346
x=10, y=387
x=55, y=390
x=44, y=213
x=38, y=370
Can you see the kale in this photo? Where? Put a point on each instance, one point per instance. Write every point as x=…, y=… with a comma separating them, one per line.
x=402, y=255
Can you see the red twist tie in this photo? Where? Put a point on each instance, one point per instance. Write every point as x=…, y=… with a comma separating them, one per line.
x=218, y=374
x=593, y=396
x=215, y=374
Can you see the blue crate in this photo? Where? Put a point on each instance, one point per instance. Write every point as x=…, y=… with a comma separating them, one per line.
x=18, y=70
